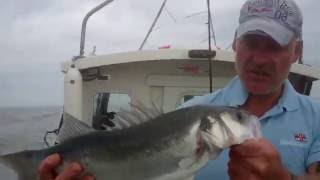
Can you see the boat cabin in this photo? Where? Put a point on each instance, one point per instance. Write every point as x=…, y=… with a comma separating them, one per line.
x=97, y=87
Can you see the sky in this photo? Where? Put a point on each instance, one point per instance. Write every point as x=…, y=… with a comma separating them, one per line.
x=37, y=36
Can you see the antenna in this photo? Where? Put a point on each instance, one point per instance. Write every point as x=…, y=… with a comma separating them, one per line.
x=153, y=24
x=170, y=15
x=209, y=41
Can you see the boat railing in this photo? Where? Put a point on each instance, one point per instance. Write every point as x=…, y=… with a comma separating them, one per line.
x=84, y=26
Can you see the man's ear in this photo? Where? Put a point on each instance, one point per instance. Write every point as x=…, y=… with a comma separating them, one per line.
x=298, y=51
x=234, y=44
x=234, y=41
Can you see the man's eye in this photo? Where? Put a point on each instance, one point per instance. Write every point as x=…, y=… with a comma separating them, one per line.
x=274, y=47
x=252, y=44
x=249, y=42
x=266, y=45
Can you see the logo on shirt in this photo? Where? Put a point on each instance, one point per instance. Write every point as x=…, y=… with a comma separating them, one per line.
x=300, y=137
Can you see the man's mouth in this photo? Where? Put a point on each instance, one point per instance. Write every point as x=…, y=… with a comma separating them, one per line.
x=258, y=74
x=261, y=73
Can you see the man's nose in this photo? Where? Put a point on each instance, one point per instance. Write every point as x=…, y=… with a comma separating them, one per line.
x=260, y=55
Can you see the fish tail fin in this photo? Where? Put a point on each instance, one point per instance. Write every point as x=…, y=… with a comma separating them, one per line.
x=23, y=163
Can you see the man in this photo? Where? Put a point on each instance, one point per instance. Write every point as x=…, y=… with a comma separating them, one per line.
x=267, y=41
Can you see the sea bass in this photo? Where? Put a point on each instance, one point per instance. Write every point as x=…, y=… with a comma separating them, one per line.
x=171, y=146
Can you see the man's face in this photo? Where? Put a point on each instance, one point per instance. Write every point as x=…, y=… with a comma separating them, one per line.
x=262, y=64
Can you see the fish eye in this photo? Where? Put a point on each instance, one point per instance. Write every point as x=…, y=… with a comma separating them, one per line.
x=206, y=123
x=239, y=115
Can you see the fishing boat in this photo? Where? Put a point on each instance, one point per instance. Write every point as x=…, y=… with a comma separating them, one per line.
x=96, y=88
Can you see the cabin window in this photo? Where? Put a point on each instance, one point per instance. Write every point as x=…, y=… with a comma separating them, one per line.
x=186, y=98
x=106, y=106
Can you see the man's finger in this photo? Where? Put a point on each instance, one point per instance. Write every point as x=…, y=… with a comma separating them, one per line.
x=251, y=148
x=47, y=167
x=73, y=171
x=88, y=177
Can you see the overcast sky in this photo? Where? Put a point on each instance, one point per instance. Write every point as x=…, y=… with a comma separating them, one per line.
x=37, y=35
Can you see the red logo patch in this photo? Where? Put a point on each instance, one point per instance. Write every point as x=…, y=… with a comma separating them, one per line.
x=300, y=137
x=194, y=69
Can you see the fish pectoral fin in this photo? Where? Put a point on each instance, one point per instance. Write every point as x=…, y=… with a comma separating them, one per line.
x=72, y=127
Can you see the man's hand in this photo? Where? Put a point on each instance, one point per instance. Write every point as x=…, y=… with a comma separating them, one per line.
x=73, y=171
x=256, y=159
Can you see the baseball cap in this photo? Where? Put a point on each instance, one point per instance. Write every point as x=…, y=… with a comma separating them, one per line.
x=279, y=19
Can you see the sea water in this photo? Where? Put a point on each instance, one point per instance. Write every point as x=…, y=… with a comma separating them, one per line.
x=23, y=128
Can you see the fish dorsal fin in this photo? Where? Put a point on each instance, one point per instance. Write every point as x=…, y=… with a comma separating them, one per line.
x=149, y=112
x=72, y=127
x=139, y=114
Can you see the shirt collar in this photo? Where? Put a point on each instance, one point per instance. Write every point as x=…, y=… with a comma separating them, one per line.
x=289, y=99
x=236, y=95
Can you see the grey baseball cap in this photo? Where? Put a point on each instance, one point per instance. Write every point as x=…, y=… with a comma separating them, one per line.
x=279, y=19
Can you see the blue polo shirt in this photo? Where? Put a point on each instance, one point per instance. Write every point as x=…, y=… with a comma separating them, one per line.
x=292, y=126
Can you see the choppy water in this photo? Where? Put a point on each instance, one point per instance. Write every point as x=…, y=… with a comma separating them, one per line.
x=24, y=128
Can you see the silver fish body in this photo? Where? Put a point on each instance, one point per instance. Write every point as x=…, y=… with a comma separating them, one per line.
x=171, y=146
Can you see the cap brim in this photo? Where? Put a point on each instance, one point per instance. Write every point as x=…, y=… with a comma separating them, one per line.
x=276, y=31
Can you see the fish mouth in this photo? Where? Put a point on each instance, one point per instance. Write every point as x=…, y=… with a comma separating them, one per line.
x=200, y=149
x=204, y=145
x=255, y=126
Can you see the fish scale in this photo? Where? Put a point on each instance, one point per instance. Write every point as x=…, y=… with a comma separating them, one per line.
x=171, y=146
